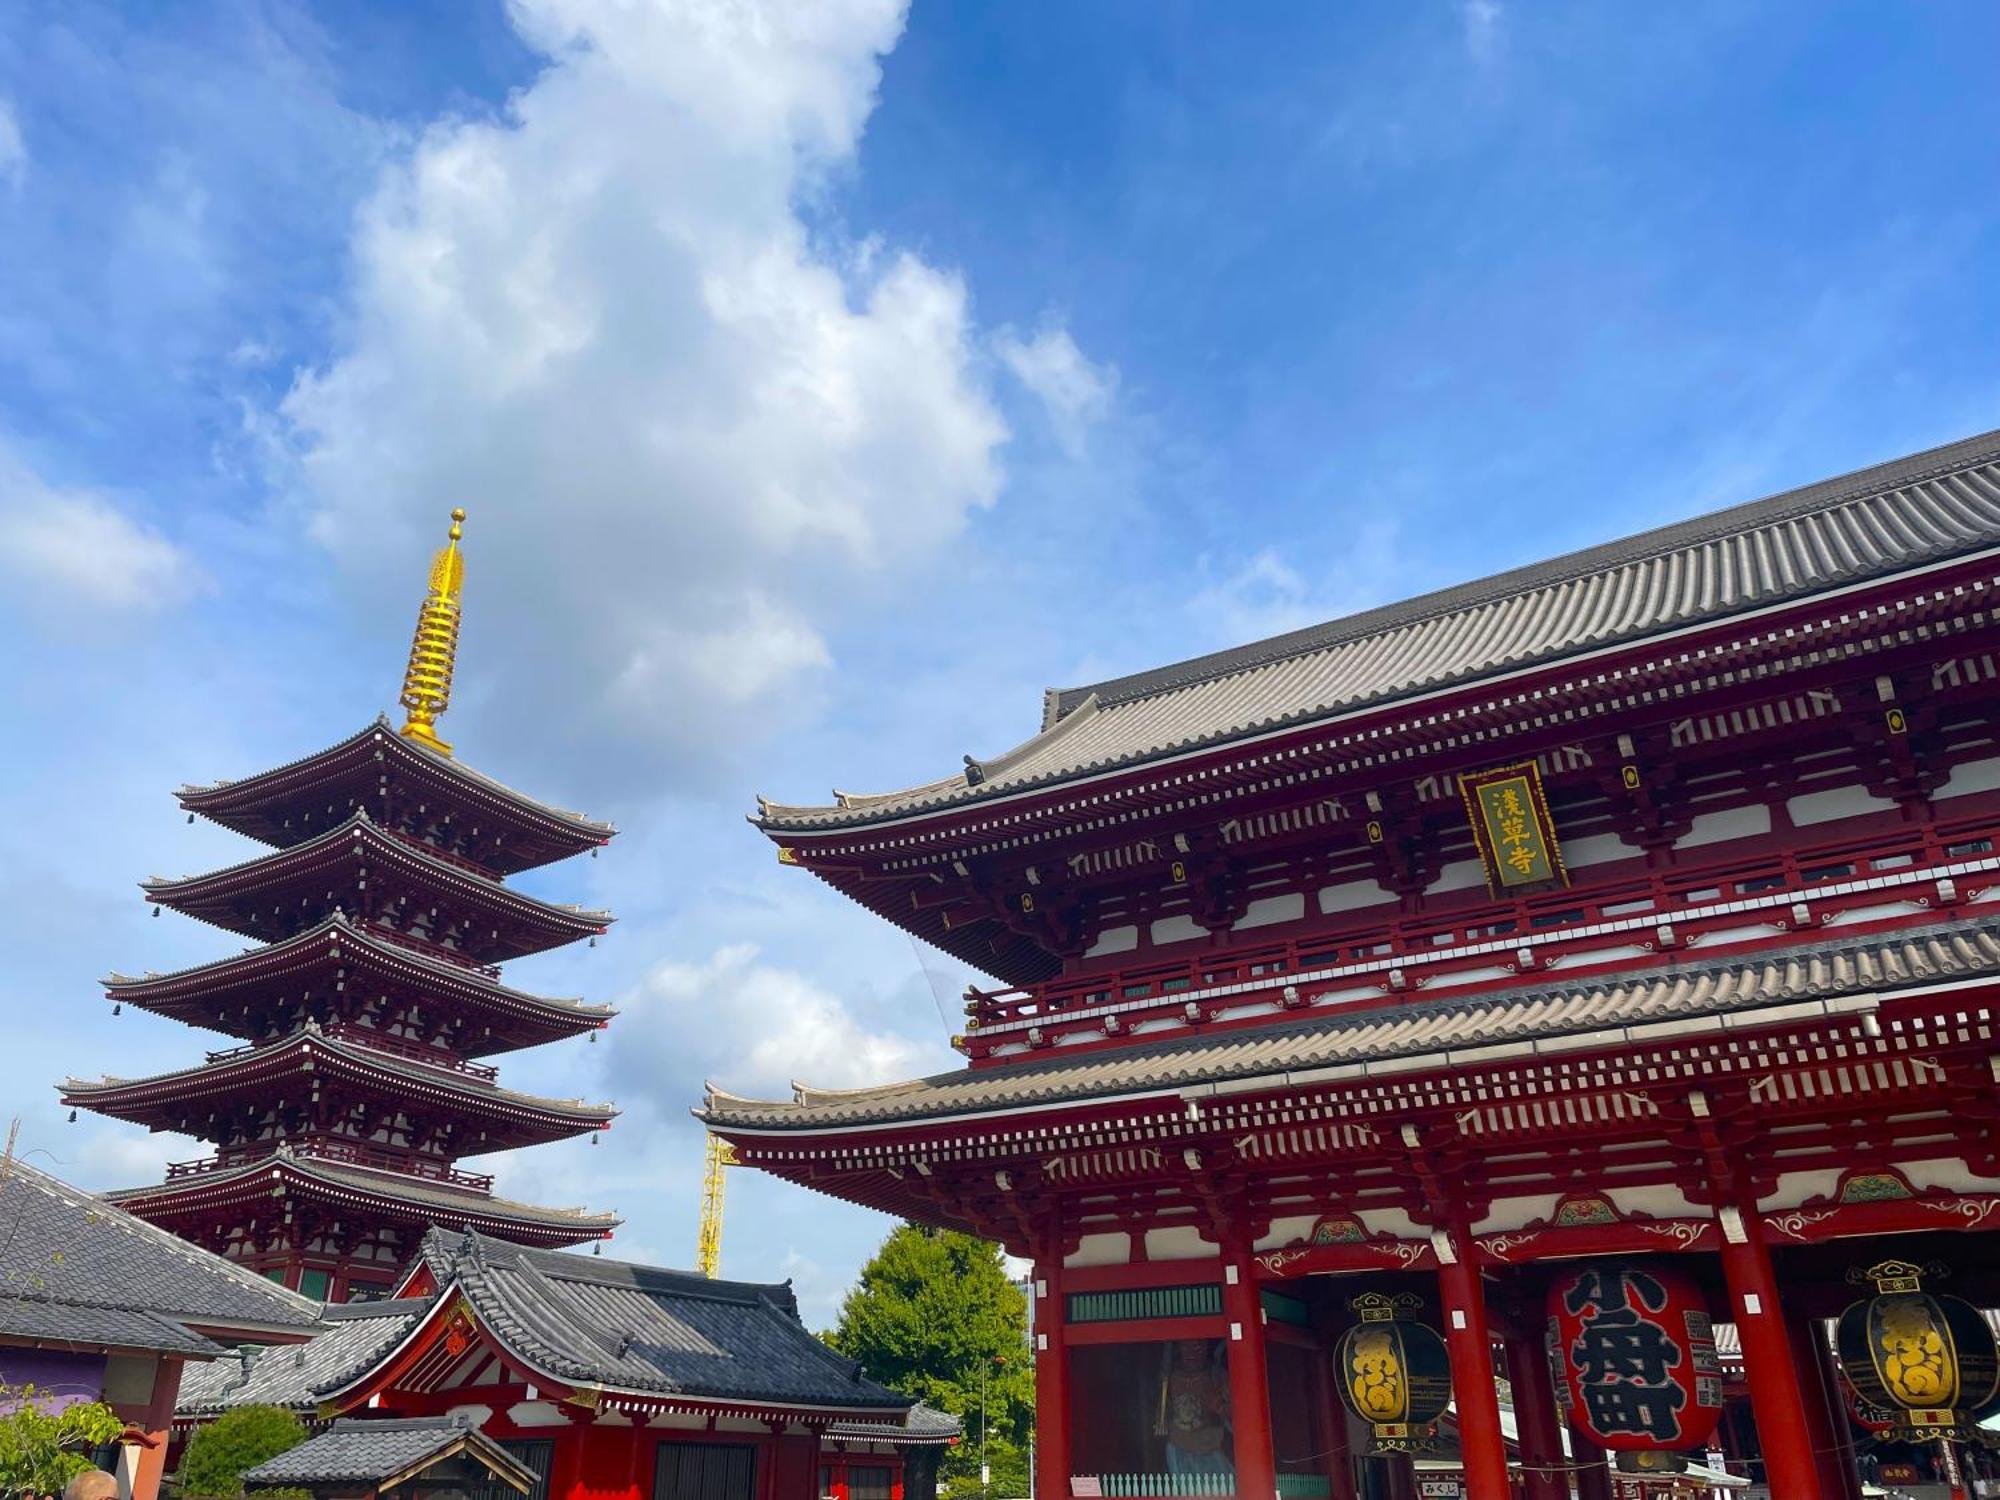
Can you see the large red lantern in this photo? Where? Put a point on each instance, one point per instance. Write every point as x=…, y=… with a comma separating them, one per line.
x=1636, y=1354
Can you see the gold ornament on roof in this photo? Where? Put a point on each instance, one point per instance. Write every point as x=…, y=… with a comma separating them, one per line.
x=427, y=682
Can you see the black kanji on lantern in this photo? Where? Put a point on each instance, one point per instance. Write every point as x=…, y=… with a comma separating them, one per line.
x=1598, y=1287
x=1643, y=1411
x=1625, y=1362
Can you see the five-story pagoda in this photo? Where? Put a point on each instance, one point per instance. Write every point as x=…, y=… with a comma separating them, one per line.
x=381, y=916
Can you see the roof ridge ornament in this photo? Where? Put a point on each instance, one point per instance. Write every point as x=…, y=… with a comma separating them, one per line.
x=434, y=649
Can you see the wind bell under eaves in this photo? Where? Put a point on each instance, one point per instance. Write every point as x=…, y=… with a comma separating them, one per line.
x=427, y=682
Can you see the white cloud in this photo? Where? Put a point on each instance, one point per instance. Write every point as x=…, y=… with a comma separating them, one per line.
x=64, y=548
x=1482, y=21
x=13, y=149
x=1265, y=595
x=1076, y=393
x=751, y=1027
x=690, y=433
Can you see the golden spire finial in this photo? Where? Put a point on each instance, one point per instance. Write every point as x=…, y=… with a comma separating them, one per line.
x=427, y=683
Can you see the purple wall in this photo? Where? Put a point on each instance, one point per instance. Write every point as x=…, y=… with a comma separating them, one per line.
x=67, y=1378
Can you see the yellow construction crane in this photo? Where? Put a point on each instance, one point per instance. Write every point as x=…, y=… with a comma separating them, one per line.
x=708, y=1241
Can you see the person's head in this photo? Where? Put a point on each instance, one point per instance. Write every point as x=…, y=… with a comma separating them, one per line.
x=1190, y=1354
x=91, y=1484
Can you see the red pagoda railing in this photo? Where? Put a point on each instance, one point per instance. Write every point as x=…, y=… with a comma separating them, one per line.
x=347, y=1152
x=1663, y=896
x=434, y=1057
x=377, y=1041
x=428, y=949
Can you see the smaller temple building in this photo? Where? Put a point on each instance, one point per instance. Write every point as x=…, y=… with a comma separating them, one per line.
x=417, y=1458
x=97, y=1306
x=610, y=1381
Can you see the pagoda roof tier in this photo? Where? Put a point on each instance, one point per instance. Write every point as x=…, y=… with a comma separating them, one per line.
x=294, y=802
x=1522, y=1022
x=278, y=895
x=1915, y=512
x=232, y=994
x=294, y=1067
x=384, y=1197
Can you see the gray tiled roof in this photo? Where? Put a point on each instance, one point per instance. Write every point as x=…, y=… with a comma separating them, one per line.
x=923, y=1423
x=588, y=1321
x=295, y=1376
x=363, y=1450
x=1607, y=1010
x=99, y=1327
x=74, y=1267
x=1917, y=510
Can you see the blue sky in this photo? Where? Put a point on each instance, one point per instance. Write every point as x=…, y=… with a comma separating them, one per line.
x=823, y=388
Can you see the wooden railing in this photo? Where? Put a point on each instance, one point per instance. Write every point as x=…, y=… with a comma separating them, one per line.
x=394, y=1046
x=422, y=1052
x=352, y=1153
x=1654, y=896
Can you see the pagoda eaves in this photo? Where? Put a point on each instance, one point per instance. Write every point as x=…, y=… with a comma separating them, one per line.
x=338, y=972
x=323, y=1079
x=457, y=910
x=388, y=775
x=200, y=1195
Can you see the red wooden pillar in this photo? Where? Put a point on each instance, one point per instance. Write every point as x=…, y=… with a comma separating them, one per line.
x=157, y=1423
x=1481, y=1441
x=1331, y=1425
x=1826, y=1415
x=1249, y=1377
x=1777, y=1400
x=1593, y=1467
x=1052, y=1414
x=1536, y=1420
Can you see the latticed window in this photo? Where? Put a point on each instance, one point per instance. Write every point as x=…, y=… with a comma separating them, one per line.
x=870, y=1483
x=704, y=1471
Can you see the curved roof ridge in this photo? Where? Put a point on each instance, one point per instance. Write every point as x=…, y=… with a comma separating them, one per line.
x=1726, y=523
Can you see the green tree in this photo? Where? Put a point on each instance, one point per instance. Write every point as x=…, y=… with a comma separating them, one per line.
x=932, y=1312
x=42, y=1446
x=219, y=1454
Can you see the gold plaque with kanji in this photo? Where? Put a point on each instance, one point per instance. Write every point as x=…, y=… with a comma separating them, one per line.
x=1511, y=826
